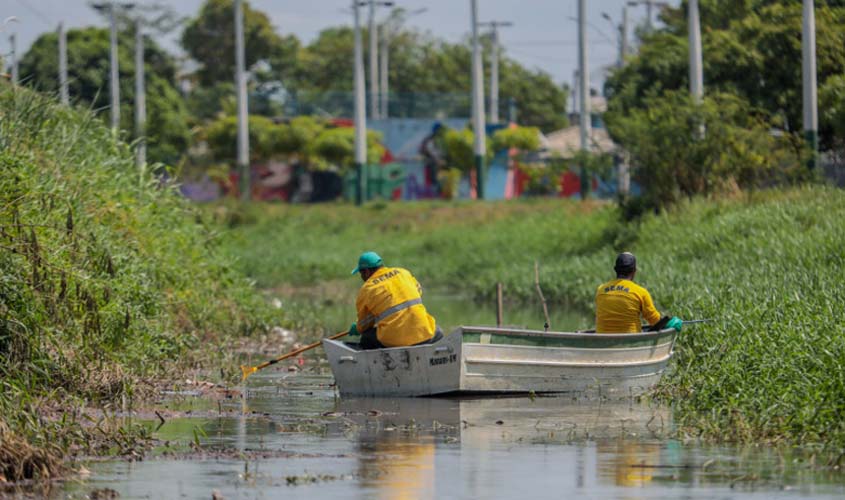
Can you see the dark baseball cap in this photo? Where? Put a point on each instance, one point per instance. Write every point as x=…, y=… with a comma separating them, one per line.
x=625, y=263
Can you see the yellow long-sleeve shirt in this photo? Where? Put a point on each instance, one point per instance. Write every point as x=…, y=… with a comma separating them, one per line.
x=619, y=304
x=391, y=300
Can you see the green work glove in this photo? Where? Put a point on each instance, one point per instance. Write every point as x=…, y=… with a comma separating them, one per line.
x=675, y=323
x=353, y=330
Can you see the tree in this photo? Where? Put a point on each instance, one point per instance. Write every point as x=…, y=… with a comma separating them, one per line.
x=210, y=40
x=674, y=159
x=222, y=138
x=428, y=74
x=88, y=82
x=752, y=49
x=336, y=146
x=522, y=138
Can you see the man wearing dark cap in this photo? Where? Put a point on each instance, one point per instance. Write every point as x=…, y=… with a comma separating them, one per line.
x=390, y=308
x=621, y=302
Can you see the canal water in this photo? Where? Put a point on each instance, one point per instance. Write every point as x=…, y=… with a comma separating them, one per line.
x=291, y=436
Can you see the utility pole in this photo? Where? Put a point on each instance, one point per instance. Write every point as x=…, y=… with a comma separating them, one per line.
x=584, y=92
x=243, y=110
x=808, y=70
x=696, y=77
x=140, y=98
x=620, y=39
x=63, y=90
x=384, y=55
x=14, y=57
x=374, y=78
x=383, y=83
x=374, y=90
x=478, y=125
x=115, y=75
x=360, y=113
x=494, y=67
x=649, y=4
x=623, y=33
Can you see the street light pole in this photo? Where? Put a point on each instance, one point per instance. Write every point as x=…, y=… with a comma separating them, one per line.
x=374, y=90
x=384, y=56
x=494, y=67
x=14, y=57
x=808, y=71
x=243, y=116
x=623, y=32
x=696, y=76
x=584, y=92
x=478, y=126
x=360, y=112
x=383, y=80
x=494, y=74
x=140, y=98
x=63, y=90
x=114, y=79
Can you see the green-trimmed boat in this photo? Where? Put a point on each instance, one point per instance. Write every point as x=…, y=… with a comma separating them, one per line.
x=489, y=360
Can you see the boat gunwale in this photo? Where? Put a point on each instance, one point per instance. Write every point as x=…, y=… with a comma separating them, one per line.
x=518, y=332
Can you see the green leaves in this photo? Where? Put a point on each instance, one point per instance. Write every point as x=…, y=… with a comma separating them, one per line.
x=680, y=148
x=88, y=71
x=210, y=39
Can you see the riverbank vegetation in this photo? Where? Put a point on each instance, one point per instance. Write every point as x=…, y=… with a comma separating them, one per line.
x=764, y=266
x=109, y=281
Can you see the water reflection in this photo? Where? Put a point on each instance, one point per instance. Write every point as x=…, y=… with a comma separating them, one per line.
x=294, y=438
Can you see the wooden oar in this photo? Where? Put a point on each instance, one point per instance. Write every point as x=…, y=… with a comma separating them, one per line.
x=249, y=370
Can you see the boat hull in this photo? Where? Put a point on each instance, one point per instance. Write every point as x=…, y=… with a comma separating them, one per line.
x=481, y=360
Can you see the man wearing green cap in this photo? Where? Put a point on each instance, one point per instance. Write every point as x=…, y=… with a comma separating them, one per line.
x=390, y=308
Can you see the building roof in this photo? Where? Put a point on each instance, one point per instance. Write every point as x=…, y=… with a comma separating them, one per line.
x=566, y=141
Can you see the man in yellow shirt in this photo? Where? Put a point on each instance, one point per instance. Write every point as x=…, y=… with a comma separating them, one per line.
x=621, y=302
x=390, y=308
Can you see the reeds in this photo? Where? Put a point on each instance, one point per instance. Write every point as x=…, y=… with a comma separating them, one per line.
x=107, y=278
x=767, y=266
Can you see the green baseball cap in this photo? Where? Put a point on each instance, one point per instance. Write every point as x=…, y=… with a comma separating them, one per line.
x=368, y=260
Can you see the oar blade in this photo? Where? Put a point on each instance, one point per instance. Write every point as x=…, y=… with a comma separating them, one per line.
x=247, y=371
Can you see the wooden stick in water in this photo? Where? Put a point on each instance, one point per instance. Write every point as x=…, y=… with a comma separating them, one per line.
x=540, y=293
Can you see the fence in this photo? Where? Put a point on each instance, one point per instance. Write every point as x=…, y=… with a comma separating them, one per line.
x=400, y=105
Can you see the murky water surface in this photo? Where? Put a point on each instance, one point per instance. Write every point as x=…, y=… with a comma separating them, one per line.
x=292, y=438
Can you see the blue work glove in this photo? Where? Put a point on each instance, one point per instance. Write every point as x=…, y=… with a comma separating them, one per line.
x=353, y=330
x=675, y=323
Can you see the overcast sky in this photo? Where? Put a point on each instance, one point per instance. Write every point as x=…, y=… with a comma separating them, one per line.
x=543, y=35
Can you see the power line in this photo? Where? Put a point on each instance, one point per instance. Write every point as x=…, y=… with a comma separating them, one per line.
x=557, y=42
x=40, y=15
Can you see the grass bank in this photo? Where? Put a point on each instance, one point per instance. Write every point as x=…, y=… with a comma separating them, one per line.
x=767, y=267
x=109, y=280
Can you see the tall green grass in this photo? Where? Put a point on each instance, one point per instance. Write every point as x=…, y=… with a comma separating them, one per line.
x=767, y=267
x=107, y=277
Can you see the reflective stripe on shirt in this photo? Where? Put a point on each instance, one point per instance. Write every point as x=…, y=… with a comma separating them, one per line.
x=397, y=308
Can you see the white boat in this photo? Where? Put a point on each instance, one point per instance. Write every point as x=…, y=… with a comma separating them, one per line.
x=489, y=360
